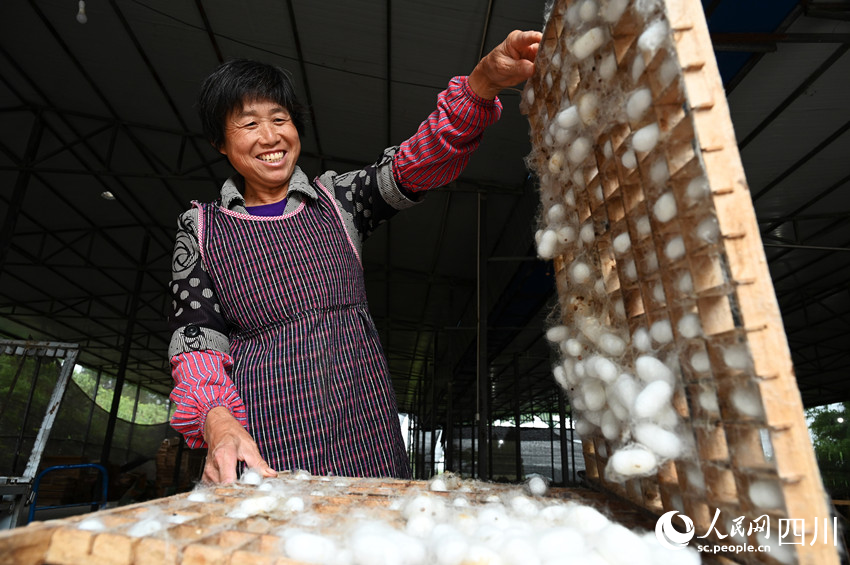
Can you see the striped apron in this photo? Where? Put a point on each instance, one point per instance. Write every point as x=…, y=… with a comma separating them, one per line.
x=307, y=359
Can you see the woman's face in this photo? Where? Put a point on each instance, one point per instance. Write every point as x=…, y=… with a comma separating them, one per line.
x=262, y=144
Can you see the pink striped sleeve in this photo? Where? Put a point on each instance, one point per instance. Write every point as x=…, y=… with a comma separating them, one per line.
x=201, y=383
x=440, y=150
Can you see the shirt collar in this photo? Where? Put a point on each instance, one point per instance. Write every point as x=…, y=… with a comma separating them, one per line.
x=232, y=191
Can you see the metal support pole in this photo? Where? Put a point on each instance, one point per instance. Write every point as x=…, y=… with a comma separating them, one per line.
x=482, y=415
x=517, y=422
x=133, y=425
x=552, y=443
x=434, y=408
x=450, y=461
x=125, y=353
x=13, y=209
x=562, y=412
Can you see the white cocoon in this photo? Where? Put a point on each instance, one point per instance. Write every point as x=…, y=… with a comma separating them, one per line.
x=766, y=494
x=556, y=214
x=675, y=248
x=658, y=172
x=574, y=347
x=650, y=369
x=619, y=545
x=557, y=333
x=629, y=159
x=587, y=234
x=708, y=230
x=587, y=10
x=653, y=37
x=697, y=190
x=580, y=272
x=309, y=548
x=658, y=293
x=566, y=234
x=645, y=138
x=570, y=198
x=537, y=485
x=630, y=270
x=568, y=117
x=613, y=10
x=610, y=425
x=622, y=243
x=608, y=149
x=626, y=390
x=638, y=66
x=562, y=136
x=632, y=461
x=665, y=207
x=553, y=543
x=655, y=396
x=560, y=376
x=605, y=370
x=641, y=340
x=638, y=103
x=708, y=401
x=612, y=345
x=663, y=443
x=588, y=107
x=736, y=357
x=685, y=284
x=689, y=326
x=594, y=395
x=556, y=162
x=145, y=527
x=251, y=477
x=643, y=226
x=608, y=67
x=700, y=362
x=589, y=42
x=586, y=519
x=579, y=150
x=661, y=331
x=548, y=245
x=747, y=402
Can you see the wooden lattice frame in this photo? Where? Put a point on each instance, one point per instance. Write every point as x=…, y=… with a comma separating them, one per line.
x=732, y=290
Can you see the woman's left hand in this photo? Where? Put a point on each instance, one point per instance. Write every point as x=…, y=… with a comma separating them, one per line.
x=510, y=63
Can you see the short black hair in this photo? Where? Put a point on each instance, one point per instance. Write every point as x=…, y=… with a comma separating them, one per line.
x=238, y=81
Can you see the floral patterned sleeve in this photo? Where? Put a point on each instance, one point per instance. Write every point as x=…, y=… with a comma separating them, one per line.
x=199, y=348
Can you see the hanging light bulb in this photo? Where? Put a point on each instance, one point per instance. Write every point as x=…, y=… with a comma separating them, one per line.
x=81, y=13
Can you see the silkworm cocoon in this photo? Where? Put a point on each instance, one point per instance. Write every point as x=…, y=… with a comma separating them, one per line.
x=599, y=287
x=695, y=478
x=92, y=525
x=641, y=340
x=663, y=443
x=697, y=190
x=675, y=248
x=562, y=136
x=556, y=162
x=630, y=270
x=765, y=494
x=566, y=234
x=643, y=227
x=580, y=272
x=578, y=150
x=568, y=117
x=549, y=140
x=251, y=477
x=613, y=10
x=685, y=284
x=604, y=369
x=653, y=37
x=560, y=375
x=650, y=369
x=700, y=362
x=309, y=548
x=588, y=107
x=622, y=243
x=145, y=527
x=626, y=390
x=661, y=331
x=617, y=409
x=570, y=198
x=425, y=504
x=665, y=207
x=556, y=60
x=199, y=496
x=537, y=485
x=658, y=172
x=708, y=230
x=645, y=138
x=639, y=102
x=586, y=519
x=608, y=67
x=557, y=333
x=579, y=370
x=294, y=504
x=587, y=10
x=548, y=245
x=589, y=42
x=594, y=417
x=618, y=544
x=638, y=66
x=583, y=427
x=747, y=402
x=574, y=347
x=610, y=425
x=578, y=178
x=652, y=399
x=529, y=96
x=650, y=263
x=658, y=293
x=667, y=418
x=736, y=357
x=632, y=461
x=572, y=14
x=612, y=345
x=549, y=81
x=253, y=506
x=556, y=214
x=689, y=326
x=629, y=159
x=594, y=395
x=668, y=72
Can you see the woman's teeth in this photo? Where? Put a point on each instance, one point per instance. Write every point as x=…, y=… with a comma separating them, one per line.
x=271, y=157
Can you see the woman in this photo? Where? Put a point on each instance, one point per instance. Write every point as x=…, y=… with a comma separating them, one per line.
x=275, y=357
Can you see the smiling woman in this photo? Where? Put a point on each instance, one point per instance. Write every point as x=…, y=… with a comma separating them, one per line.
x=275, y=356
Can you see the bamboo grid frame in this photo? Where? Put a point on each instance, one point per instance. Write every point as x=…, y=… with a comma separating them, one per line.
x=731, y=290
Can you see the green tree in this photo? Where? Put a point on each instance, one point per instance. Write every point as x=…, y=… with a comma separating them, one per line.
x=830, y=430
